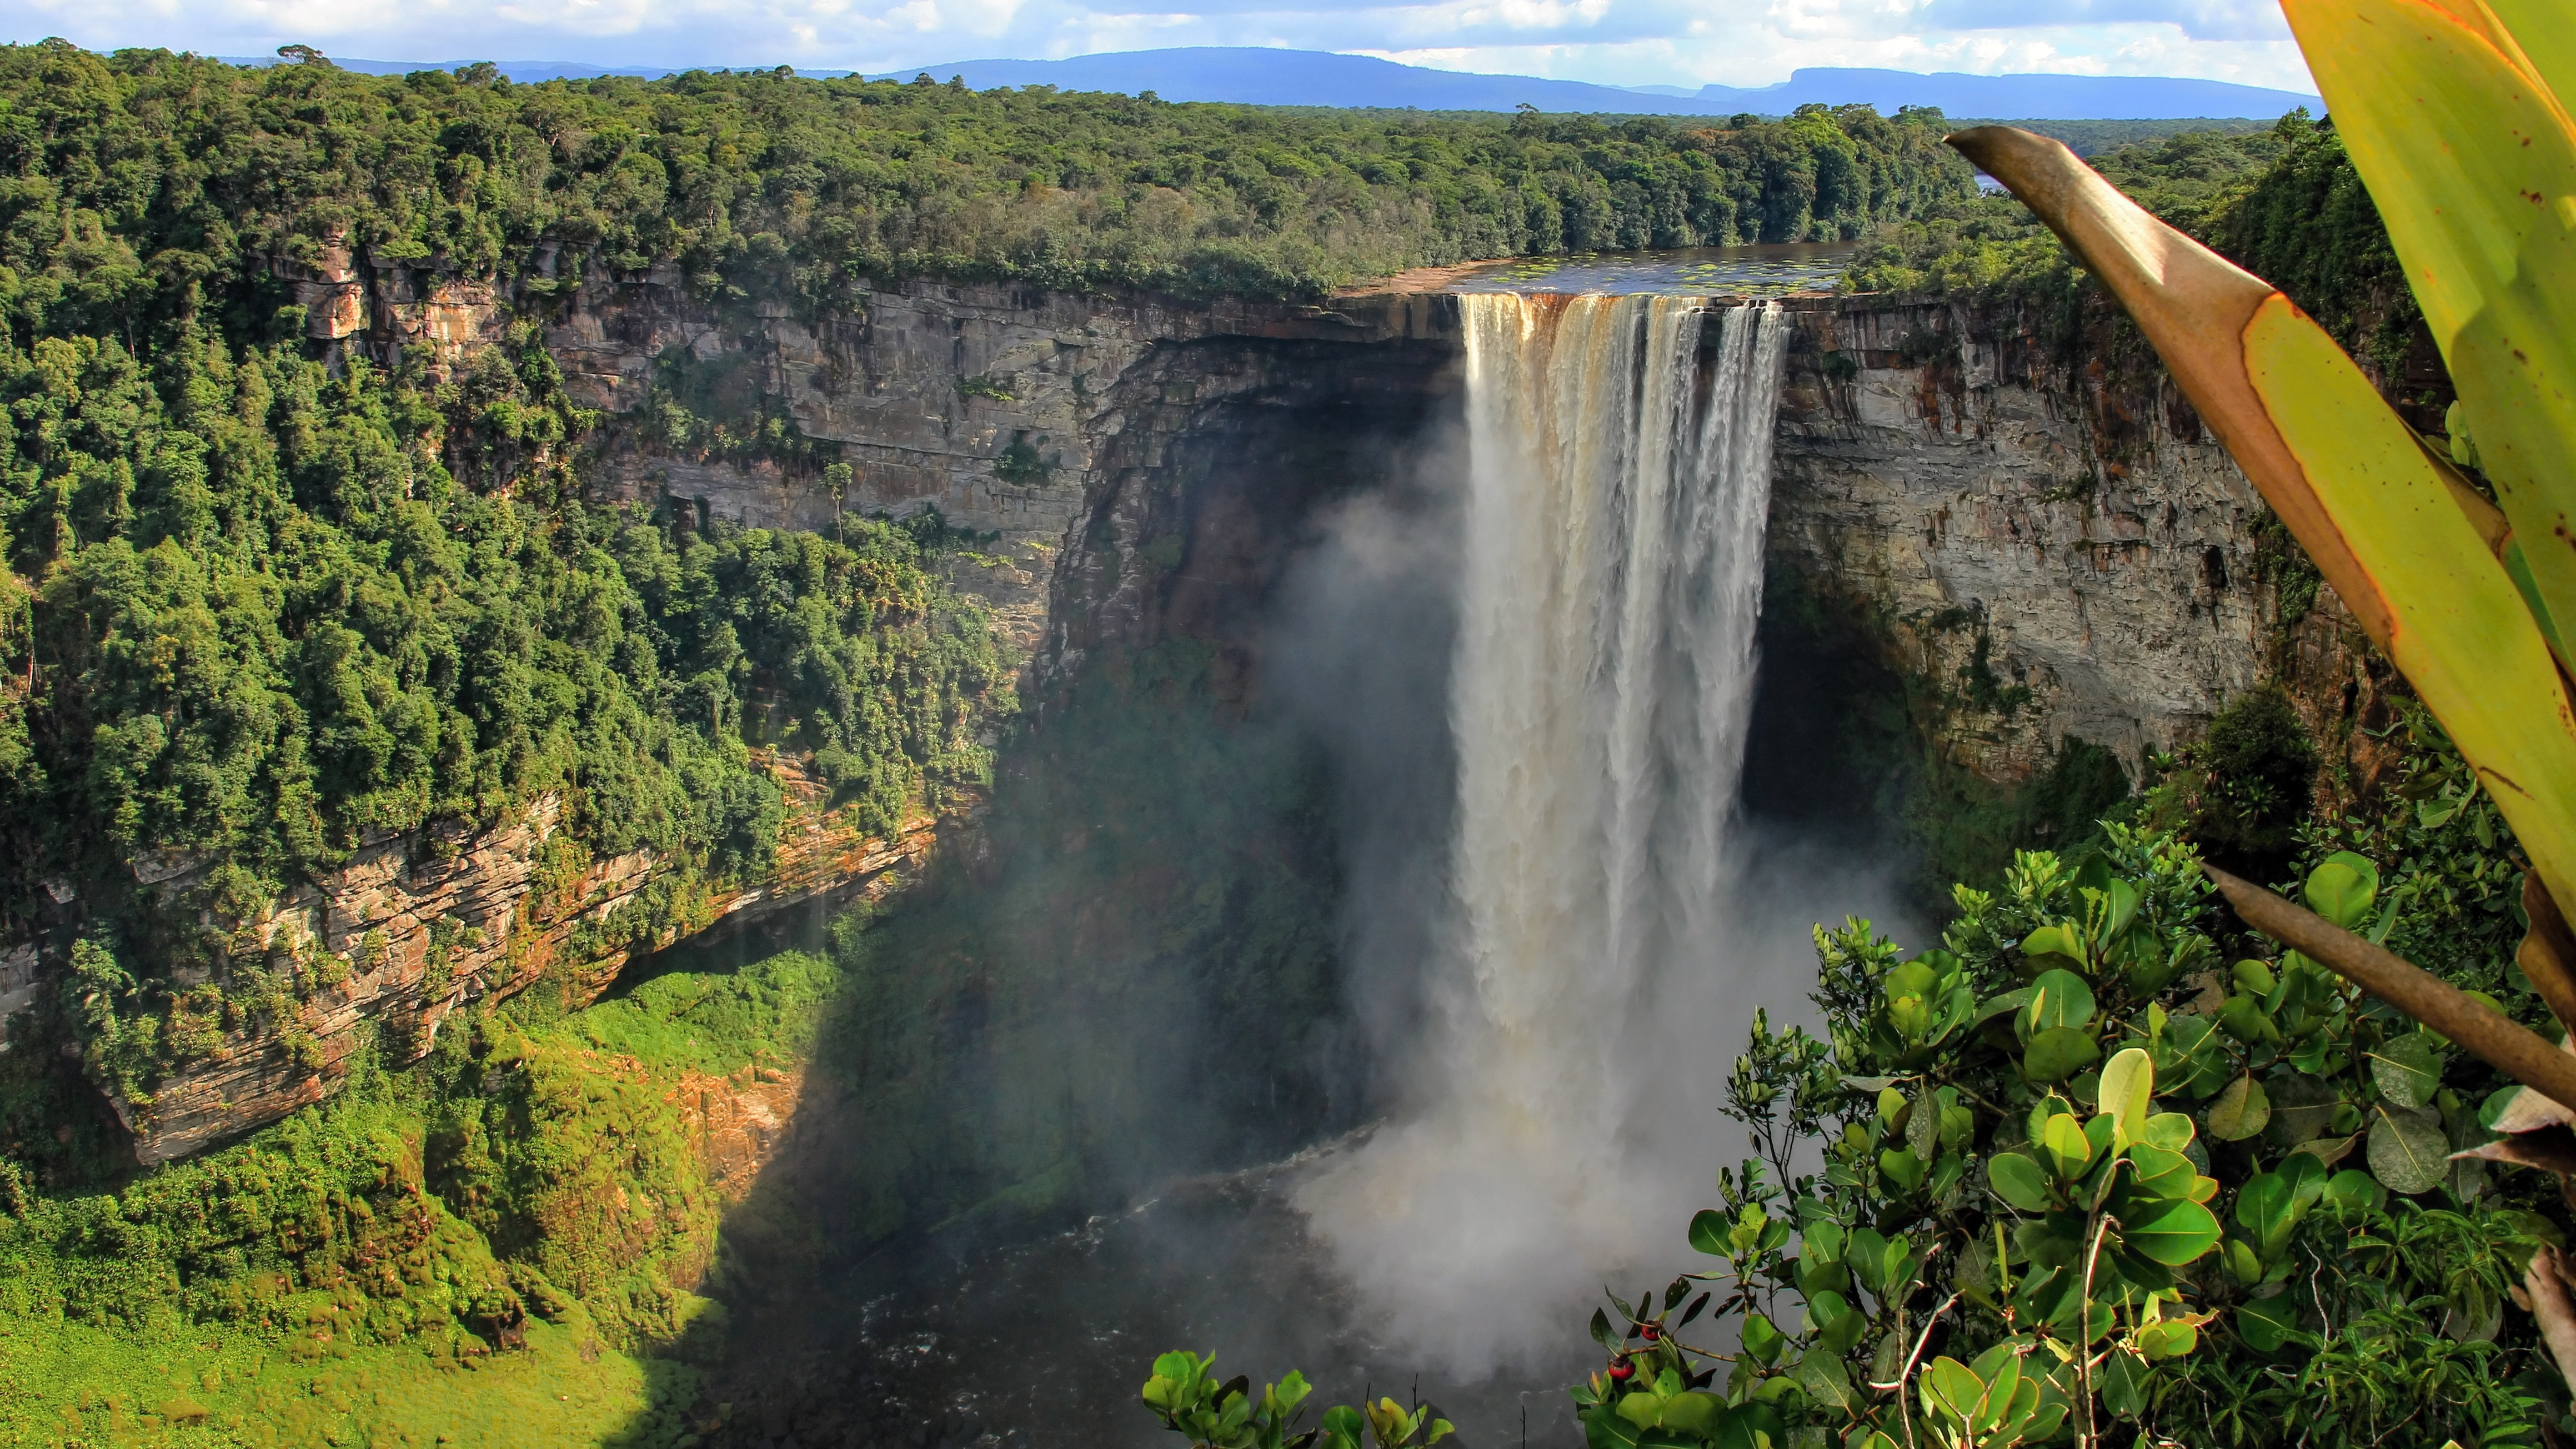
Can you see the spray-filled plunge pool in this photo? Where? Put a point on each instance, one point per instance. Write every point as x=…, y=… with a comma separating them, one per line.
x=1555, y=929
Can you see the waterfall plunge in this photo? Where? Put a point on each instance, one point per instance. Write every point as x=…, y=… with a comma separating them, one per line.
x=1612, y=573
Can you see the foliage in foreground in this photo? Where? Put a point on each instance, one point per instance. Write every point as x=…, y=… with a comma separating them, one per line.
x=2084, y=1157
x=2081, y=1169
x=1185, y=1395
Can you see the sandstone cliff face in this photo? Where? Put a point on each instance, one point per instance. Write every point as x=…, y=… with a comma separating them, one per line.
x=411, y=929
x=2051, y=555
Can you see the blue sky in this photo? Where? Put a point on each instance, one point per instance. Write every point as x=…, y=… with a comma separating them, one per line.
x=1615, y=42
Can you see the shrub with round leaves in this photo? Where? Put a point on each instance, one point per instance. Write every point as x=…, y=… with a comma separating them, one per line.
x=2081, y=1169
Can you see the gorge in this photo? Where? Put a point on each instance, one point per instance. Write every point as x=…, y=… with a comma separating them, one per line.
x=992, y=825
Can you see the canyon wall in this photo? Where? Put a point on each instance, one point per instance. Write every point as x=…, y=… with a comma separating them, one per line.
x=2050, y=554
x=2049, y=550
x=414, y=928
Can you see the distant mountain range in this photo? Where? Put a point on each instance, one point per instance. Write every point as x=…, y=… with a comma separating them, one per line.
x=1320, y=78
x=1265, y=77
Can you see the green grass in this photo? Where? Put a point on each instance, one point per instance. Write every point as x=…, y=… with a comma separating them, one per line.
x=64, y=1385
x=344, y=1276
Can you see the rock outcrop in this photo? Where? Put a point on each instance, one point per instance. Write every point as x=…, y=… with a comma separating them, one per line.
x=413, y=928
x=2051, y=555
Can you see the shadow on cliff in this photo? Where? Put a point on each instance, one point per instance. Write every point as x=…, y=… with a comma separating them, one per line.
x=1129, y=974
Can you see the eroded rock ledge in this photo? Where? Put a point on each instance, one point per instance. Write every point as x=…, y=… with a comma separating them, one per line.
x=415, y=927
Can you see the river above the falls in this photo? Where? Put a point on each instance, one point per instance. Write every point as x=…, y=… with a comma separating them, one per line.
x=1751, y=272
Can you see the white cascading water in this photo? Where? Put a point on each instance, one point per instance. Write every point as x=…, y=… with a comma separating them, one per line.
x=1612, y=574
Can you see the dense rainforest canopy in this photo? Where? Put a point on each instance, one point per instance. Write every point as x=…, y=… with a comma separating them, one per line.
x=141, y=175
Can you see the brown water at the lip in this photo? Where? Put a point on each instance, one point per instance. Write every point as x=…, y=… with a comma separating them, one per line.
x=1745, y=271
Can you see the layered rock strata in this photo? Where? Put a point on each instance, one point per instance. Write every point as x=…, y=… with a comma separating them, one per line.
x=413, y=928
x=2050, y=554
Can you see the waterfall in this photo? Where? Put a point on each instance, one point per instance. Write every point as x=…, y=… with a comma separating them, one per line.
x=1612, y=574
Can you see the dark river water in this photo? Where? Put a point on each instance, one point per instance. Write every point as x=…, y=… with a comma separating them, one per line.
x=1045, y=1341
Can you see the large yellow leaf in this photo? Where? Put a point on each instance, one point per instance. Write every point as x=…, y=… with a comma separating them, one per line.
x=2546, y=35
x=2407, y=548
x=2473, y=164
x=2463, y=637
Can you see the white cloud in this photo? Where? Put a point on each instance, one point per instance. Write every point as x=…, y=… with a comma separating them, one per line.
x=1624, y=42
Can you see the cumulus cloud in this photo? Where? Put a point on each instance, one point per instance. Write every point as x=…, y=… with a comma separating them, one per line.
x=1619, y=42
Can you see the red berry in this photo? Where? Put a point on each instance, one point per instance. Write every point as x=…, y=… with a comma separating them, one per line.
x=1622, y=1369
x=1651, y=1331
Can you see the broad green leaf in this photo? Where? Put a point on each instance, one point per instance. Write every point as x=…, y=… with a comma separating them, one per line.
x=2066, y=1150
x=2171, y=1131
x=2266, y=1323
x=2254, y=978
x=2244, y=1262
x=1868, y=1257
x=1952, y=1389
x=1762, y=1339
x=1691, y=1413
x=2018, y=1181
x=2058, y=1053
x=1823, y=1308
x=2406, y=1070
x=1827, y=1382
x=2466, y=640
x=2240, y=1111
x=2174, y=1234
x=1923, y=1127
x=2057, y=998
x=2171, y=1338
x=2159, y=1173
x=2128, y=1087
x=2267, y=1211
x=2245, y=1020
x=2059, y=941
x=2303, y=1106
x=1823, y=1242
x=2122, y=1378
x=2306, y=1176
x=1710, y=1233
x=1900, y=1166
x=1997, y=1005
x=2407, y=1150
x=2342, y=889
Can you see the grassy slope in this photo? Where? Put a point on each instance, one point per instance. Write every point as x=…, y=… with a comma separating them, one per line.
x=69, y=1385
x=339, y=1278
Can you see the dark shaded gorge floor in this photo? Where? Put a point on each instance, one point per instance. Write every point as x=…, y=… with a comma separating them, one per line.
x=1042, y=1343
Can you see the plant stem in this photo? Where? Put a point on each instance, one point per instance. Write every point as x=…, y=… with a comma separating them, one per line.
x=2084, y=1331
x=1905, y=1414
x=2513, y=1049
